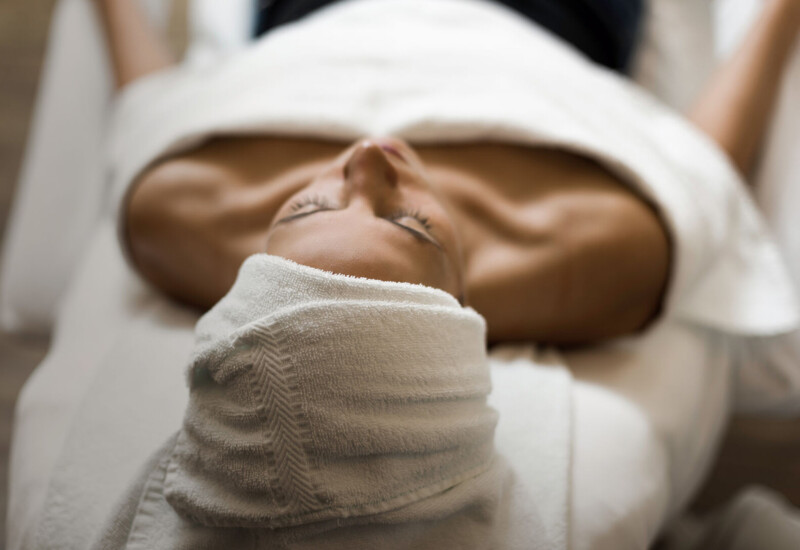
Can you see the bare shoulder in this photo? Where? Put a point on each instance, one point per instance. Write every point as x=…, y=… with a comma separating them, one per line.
x=172, y=230
x=619, y=259
x=191, y=220
x=595, y=268
x=180, y=189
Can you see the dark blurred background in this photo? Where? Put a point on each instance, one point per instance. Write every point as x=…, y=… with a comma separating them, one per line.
x=755, y=451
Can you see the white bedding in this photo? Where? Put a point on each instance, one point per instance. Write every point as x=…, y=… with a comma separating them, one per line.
x=645, y=425
x=645, y=421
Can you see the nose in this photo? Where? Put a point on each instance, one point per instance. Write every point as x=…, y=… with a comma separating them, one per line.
x=369, y=173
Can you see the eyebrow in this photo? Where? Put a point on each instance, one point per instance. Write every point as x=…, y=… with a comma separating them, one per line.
x=419, y=235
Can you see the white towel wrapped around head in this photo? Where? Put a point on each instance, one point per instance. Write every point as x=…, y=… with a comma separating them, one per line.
x=317, y=396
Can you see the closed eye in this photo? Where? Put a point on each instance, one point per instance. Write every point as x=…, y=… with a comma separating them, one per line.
x=419, y=235
x=316, y=200
x=299, y=215
x=414, y=214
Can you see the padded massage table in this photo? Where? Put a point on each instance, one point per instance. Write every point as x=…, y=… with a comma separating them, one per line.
x=643, y=438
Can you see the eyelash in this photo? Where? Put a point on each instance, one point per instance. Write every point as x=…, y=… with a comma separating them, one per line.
x=416, y=214
x=325, y=205
x=314, y=199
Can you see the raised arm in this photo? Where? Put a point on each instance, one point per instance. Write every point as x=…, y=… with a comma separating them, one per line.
x=736, y=106
x=136, y=48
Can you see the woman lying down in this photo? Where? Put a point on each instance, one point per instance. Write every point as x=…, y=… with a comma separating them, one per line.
x=383, y=164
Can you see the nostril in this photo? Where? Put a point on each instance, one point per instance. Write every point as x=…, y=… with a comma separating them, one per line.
x=369, y=164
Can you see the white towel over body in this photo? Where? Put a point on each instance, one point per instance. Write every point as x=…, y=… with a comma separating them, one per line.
x=463, y=70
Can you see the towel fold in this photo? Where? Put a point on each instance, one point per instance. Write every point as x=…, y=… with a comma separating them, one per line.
x=317, y=396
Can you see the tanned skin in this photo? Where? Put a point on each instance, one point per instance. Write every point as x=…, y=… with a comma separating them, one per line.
x=551, y=247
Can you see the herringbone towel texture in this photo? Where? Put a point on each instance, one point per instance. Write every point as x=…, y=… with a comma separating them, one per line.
x=317, y=396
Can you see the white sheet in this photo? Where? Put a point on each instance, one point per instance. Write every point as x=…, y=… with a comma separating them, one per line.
x=645, y=421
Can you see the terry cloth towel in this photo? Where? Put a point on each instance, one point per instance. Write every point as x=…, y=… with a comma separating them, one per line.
x=462, y=71
x=330, y=411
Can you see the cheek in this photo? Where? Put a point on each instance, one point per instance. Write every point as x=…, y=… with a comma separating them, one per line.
x=448, y=234
x=454, y=250
x=317, y=249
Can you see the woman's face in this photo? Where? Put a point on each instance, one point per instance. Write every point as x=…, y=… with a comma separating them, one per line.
x=372, y=213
